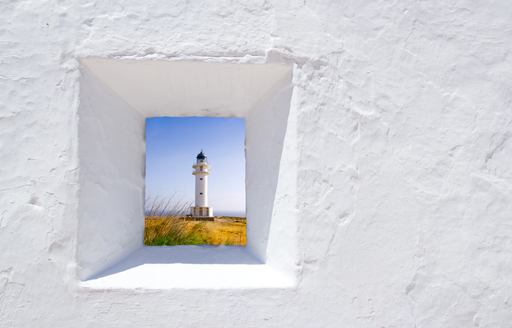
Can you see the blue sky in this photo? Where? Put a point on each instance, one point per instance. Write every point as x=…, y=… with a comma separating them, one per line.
x=172, y=144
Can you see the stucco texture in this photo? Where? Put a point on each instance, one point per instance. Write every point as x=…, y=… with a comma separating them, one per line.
x=404, y=148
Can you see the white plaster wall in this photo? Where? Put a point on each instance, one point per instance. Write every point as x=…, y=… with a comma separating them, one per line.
x=111, y=177
x=403, y=149
x=266, y=126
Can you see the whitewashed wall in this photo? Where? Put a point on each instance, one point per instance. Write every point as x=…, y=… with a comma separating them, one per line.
x=404, y=157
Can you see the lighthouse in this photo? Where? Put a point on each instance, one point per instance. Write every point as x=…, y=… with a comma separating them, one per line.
x=201, y=172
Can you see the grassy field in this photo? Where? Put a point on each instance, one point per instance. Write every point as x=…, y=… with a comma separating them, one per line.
x=170, y=231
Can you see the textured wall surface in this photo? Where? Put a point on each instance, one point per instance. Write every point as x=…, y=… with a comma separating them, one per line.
x=404, y=145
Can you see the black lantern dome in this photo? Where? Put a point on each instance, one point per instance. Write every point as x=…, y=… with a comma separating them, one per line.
x=201, y=156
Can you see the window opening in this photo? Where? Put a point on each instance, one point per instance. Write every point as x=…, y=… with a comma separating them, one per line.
x=216, y=176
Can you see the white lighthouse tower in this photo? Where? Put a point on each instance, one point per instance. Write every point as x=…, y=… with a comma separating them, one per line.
x=201, y=209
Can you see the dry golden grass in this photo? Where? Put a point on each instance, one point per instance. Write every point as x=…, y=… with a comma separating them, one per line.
x=167, y=230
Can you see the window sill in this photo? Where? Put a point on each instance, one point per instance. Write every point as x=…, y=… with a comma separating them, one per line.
x=190, y=267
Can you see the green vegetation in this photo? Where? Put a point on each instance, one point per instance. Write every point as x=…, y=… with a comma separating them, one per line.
x=166, y=224
x=170, y=231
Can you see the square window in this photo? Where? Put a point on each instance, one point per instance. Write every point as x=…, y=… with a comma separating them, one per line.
x=195, y=181
x=116, y=97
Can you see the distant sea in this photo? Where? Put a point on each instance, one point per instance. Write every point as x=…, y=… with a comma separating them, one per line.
x=224, y=213
x=229, y=213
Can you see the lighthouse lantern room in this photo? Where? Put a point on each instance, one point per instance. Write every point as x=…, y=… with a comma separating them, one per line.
x=201, y=172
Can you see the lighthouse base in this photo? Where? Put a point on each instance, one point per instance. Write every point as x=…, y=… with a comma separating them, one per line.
x=201, y=212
